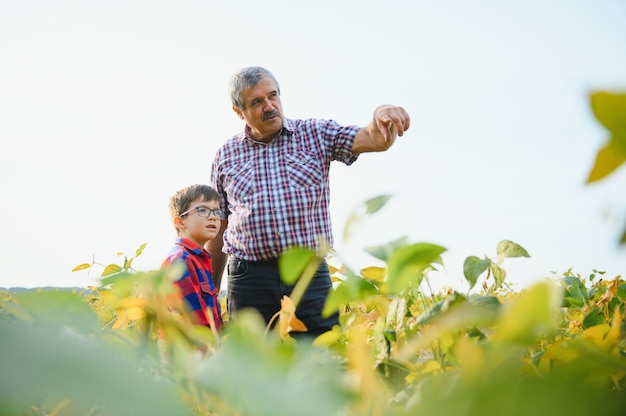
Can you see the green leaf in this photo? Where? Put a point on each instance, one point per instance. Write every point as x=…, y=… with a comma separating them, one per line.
x=371, y=206
x=487, y=301
x=296, y=379
x=396, y=314
x=473, y=267
x=293, y=262
x=621, y=291
x=498, y=275
x=440, y=307
x=407, y=264
x=595, y=317
x=123, y=281
x=61, y=363
x=15, y=309
x=60, y=307
x=534, y=314
x=575, y=293
x=140, y=249
x=508, y=248
x=569, y=302
x=353, y=289
x=383, y=252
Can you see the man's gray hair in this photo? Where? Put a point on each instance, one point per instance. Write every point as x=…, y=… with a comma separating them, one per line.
x=245, y=79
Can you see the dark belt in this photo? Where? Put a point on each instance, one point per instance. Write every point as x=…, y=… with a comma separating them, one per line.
x=271, y=261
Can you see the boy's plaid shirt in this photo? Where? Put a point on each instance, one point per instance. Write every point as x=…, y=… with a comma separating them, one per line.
x=196, y=284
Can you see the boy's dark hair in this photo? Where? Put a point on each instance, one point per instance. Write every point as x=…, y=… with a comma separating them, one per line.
x=181, y=200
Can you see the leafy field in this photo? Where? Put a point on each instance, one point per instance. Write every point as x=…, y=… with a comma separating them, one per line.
x=558, y=347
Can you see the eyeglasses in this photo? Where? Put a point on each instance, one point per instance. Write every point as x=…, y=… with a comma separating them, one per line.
x=206, y=212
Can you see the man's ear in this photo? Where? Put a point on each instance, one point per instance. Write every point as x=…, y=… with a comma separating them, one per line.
x=238, y=111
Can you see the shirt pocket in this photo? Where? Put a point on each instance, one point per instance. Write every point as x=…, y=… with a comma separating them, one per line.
x=239, y=180
x=206, y=288
x=304, y=170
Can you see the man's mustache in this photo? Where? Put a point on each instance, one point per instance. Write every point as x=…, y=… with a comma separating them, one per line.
x=269, y=114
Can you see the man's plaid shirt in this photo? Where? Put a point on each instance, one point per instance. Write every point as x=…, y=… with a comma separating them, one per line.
x=277, y=194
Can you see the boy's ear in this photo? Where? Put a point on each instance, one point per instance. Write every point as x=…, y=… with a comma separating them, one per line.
x=178, y=223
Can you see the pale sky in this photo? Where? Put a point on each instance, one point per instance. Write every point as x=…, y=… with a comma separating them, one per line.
x=108, y=107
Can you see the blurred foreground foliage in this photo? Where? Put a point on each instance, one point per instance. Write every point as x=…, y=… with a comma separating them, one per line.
x=557, y=347
x=609, y=108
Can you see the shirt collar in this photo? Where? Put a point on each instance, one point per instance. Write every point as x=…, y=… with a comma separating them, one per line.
x=190, y=245
x=288, y=126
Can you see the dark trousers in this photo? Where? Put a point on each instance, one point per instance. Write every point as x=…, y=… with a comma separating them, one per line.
x=257, y=284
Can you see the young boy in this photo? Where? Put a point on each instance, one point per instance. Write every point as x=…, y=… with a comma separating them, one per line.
x=197, y=217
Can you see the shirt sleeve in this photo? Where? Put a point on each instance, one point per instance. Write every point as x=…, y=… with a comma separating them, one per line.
x=216, y=183
x=342, y=139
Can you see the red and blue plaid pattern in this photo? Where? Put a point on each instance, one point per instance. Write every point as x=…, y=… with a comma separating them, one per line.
x=196, y=284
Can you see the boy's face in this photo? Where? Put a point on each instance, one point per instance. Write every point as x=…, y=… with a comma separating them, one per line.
x=199, y=229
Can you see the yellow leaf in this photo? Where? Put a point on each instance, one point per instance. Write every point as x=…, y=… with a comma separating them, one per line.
x=557, y=353
x=107, y=296
x=336, y=279
x=471, y=358
x=110, y=269
x=610, y=110
x=131, y=302
x=608, y=159
x=431, y=366
x=81, y=267
x=121, y=322
x=610, y=293
x=611, y=339
x=131, y=308
x=135, y=313
x=376, y=274
x=596, y=333
x=128, y=263
x=360, y=365
x=287, y=319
